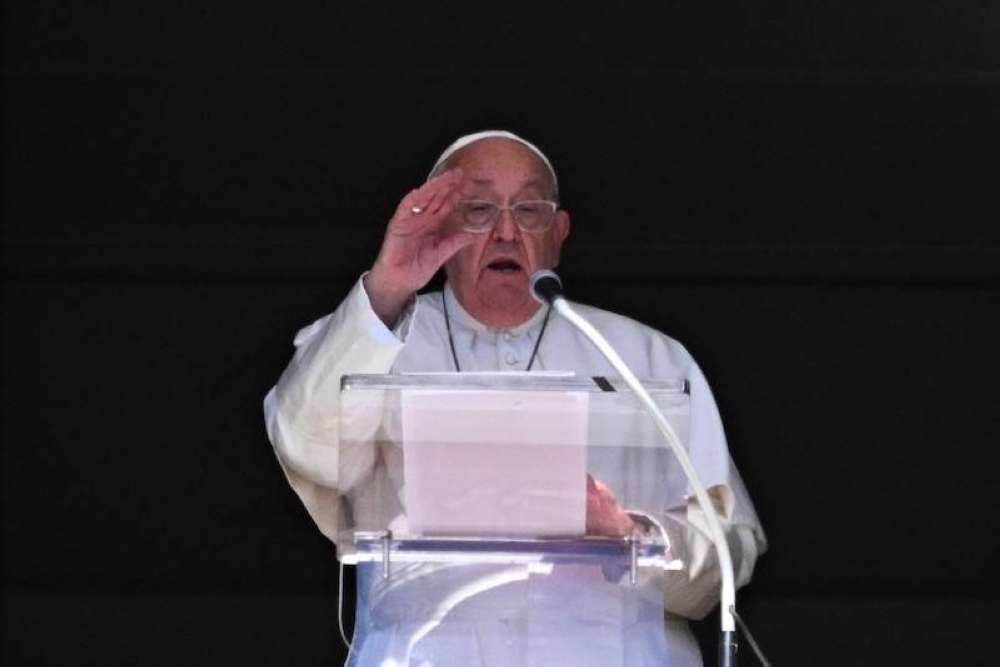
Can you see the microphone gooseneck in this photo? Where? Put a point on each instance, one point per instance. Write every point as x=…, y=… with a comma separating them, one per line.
x=546, y=287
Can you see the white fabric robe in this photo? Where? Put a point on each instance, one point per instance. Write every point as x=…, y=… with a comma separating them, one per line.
x=303, y=423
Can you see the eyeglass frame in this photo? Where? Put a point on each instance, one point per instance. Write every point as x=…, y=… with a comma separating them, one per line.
x=513, y=211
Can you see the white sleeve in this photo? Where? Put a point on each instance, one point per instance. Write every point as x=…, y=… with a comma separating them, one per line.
x=302, y=411
x=694, y=591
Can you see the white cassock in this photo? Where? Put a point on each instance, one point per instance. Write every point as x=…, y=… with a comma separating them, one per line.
x=573, y=616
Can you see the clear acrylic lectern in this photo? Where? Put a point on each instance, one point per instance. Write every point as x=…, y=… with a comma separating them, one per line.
x=463, y=505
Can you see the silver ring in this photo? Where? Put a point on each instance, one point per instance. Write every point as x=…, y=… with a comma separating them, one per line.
x=416, y=210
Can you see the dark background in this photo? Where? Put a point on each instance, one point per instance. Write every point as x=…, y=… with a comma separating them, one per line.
x=805, y=194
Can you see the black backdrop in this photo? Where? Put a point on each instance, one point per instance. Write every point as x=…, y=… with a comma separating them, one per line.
x=804, y=195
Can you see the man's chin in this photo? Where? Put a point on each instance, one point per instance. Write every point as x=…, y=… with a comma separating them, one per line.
x=506, y=302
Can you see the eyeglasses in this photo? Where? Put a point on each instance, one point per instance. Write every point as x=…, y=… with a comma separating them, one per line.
x=533, y=216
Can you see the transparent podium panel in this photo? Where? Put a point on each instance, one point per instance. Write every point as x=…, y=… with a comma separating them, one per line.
x=464, y=507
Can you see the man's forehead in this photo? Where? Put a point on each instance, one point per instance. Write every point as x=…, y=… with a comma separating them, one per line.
x=539, y=182
x=488, y=161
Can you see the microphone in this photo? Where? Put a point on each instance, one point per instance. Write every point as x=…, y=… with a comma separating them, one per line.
x=545, y=286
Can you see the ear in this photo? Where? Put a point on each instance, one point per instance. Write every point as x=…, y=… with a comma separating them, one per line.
x=560, y=230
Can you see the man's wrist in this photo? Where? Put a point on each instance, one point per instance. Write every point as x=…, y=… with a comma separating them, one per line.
x=643, y=525
x=388, y=303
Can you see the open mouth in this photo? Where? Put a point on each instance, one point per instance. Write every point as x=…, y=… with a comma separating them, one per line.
x=504, y=266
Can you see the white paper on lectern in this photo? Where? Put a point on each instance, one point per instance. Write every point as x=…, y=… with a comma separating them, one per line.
x=495, y=463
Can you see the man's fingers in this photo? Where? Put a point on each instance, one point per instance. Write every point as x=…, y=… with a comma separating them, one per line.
x=423, y=209
x=449, y=245
x=432, y=195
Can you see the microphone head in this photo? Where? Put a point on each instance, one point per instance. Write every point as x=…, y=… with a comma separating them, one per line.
x=545, y=286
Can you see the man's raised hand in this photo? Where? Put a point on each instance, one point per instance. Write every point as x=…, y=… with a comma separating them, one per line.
x=417, y=243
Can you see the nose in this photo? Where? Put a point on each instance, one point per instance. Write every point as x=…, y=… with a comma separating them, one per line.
x=505, y=228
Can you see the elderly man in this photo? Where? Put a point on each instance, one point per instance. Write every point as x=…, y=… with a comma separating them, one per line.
x=489, y=215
